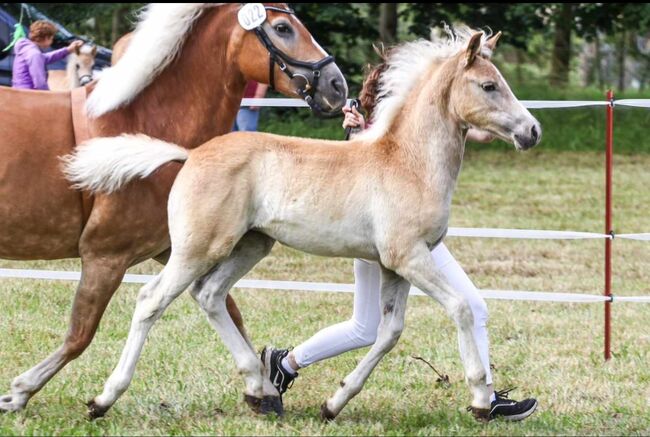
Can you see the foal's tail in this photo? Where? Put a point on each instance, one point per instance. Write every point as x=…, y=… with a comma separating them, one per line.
x=107, y=164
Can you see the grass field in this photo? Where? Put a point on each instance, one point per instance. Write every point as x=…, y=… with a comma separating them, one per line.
x=186, y=382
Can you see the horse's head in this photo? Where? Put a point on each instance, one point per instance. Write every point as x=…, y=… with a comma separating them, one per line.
x=277, y=49
x=480, y=96
x=81, y=64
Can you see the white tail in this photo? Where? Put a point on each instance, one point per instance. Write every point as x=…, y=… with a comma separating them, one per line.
x=107, y=164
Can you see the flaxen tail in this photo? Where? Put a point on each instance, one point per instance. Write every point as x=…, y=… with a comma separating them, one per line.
x=107, y=164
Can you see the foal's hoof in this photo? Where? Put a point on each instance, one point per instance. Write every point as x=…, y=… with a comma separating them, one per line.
x=95, y=411
x=254, y=403
x=325, y=414
x=272, y=404
x=481, y=414
x=12, y=403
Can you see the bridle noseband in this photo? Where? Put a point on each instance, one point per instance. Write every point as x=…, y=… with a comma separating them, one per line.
x=283, y=61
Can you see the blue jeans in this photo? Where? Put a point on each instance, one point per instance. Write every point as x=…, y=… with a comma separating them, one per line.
x=246, y=120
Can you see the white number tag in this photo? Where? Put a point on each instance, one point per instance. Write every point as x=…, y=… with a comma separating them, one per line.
x=251, y=15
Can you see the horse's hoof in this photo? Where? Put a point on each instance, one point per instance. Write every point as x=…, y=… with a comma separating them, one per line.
x=95, y=411
x=325, y=414
x=9, y=405
x=254, y=403
x=481, y=414
x=272, y=404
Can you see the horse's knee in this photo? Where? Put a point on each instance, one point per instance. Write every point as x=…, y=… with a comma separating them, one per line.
x=75, y=345
x=461, y=312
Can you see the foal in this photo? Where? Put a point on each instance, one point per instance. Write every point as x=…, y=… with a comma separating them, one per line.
x=384, y=196
x=79, y=70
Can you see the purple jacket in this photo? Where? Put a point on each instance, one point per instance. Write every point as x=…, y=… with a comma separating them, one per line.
x=29, y=65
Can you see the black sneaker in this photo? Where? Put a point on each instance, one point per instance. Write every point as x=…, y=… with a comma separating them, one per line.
x=280, y=378
x=509, y=409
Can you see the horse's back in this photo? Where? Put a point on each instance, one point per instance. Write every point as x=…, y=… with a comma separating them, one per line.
x=40, y=216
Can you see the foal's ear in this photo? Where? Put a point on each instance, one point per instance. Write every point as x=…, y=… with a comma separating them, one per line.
x=94, y=51
x=77, y=50
x=491, y=42
x=473, y=49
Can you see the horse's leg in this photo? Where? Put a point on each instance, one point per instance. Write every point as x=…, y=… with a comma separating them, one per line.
x=210, y=292
x=233, y=310
x=420, y=270
x=101, y=276
x=394, y=293
x=152, y=301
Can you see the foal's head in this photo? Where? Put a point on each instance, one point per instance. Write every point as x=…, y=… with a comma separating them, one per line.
x=480, y=97
x=80, y=65
x=280, y=51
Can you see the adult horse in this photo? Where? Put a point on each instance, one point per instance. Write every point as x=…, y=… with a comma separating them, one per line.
x=181, y=79
x=78, y=72
x=385, y=196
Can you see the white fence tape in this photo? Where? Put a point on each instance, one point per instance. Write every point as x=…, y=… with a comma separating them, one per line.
x=531, y=104
x=523, y=234
x=336, y=287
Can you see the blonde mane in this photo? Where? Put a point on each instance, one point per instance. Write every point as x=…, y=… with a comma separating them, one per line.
x=159, y=35
x=406, y=64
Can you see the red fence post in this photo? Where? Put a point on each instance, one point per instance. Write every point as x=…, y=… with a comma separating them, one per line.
x=609, y=147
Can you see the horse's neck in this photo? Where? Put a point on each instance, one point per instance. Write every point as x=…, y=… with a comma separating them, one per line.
x=71, y=71
x=193, y=100
x=431, y=140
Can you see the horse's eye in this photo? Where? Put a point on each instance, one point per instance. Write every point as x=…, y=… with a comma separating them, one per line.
x=489, y=86
x=77, y=66
x=282, y=29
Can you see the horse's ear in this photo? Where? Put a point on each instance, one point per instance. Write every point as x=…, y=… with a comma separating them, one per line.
x=473, y=49
x=491, y=42
x=77, y=50
x=94, y=50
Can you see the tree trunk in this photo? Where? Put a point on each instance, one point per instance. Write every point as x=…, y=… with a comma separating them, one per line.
x=621, y=48
x=388, y=23
x=116, y=19
x=561, y=60
x=598, y=63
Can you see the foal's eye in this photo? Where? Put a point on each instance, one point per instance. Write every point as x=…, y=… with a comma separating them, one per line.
x=489, y=86
x=282, y=29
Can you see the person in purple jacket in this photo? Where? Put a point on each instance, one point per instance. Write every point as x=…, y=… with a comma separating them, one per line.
x=29, y=64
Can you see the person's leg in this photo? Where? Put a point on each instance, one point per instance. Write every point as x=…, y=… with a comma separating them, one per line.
x=456, y=277
x=247, y=120
x=358, y=332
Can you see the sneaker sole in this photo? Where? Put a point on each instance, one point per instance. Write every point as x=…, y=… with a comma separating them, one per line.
x=521, y=416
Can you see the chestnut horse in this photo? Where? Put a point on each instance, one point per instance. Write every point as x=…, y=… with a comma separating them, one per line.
x=384, y=196
x=78, y=72
x=182, y=79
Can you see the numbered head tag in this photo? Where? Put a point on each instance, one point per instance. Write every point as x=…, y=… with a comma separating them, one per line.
x=251, y=15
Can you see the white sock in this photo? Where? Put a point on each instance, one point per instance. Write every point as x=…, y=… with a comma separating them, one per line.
x=287, y=366
x=493, y=396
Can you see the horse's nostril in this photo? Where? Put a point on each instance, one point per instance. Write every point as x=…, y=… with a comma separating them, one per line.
x=336, y=85
x=533, y=133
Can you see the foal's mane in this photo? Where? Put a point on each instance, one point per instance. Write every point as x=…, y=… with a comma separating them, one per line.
x=405, y=65
x=157, y=39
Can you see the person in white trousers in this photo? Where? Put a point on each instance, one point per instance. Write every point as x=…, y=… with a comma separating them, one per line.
x=361, y=330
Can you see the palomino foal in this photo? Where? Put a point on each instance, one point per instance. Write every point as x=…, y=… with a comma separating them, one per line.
x=78, y=72
x=384, y=196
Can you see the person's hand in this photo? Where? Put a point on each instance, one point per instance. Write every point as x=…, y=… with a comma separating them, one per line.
x=479, y=136
x=75, y=46
x=353, y=118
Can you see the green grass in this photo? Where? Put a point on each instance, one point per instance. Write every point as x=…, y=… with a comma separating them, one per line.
x=186, y=382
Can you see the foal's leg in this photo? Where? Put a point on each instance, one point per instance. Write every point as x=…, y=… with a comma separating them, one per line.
x=210, y=292
x=420, y=270
x=152, y=301
x=394, y=293
x=100, y=277
x=233, y=310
